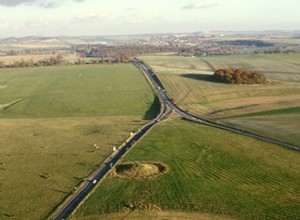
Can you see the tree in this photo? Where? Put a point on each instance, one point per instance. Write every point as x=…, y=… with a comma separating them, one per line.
x=59, y=59
x=239, y=76
x=2, y=64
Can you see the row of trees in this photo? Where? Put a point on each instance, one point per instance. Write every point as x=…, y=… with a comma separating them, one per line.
x=59, y=60
x=239, y=76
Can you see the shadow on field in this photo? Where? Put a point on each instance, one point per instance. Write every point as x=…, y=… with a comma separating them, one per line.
x=153, y=111
x=8, y=215
x=203, y=77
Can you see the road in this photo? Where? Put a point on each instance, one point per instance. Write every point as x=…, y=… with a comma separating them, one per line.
x=169, y=103
x=69, y=206
x=167, y=107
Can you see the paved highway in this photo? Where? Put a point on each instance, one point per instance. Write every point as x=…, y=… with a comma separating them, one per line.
x=69, y=206
x=169, y=103
x=167, y=107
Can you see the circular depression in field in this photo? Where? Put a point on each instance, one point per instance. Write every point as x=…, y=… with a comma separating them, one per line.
x=141, y=170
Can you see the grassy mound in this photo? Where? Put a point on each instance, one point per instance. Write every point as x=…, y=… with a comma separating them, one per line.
x=210, y=171
x=139, y=170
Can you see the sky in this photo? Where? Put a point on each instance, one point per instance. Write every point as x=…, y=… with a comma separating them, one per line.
x=121, y=17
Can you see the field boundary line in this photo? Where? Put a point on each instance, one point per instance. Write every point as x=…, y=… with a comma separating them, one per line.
x=208, y=63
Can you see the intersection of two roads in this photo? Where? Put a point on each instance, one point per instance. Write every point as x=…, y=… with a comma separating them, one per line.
x=167, y=107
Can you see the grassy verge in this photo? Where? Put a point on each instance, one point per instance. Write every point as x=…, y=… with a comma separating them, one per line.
x=240, y=177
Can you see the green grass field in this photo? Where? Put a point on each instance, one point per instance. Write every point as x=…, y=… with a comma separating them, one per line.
x=74, y=91
x=210, y=171
x=67, y=125
x=192, y=89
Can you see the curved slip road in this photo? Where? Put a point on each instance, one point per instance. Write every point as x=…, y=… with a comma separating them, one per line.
x=167, y=107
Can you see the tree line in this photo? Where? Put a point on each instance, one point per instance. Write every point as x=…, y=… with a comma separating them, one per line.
x=59, y=60
x=239, y=76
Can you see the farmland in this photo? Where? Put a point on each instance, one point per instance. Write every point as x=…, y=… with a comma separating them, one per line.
x=239, y=178
x=66, y=124
x=61, y=122
x=187, y=81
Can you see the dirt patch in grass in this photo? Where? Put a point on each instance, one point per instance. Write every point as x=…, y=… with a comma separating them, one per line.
x=8, y=105
x=140, y=169
x=140, y=206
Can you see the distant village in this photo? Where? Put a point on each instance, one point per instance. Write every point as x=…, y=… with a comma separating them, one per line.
x=120, y=50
